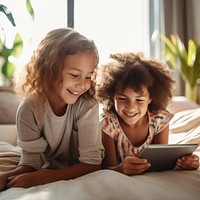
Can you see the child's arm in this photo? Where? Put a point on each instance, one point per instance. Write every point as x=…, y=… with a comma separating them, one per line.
x=162, y=137
x=130, y=166
x=47, y=176
x=110, y=158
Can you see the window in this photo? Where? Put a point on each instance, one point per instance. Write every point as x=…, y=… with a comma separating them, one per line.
x=114, y=25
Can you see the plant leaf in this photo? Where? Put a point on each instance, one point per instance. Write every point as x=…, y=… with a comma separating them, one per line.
x=191, y=53
x=174, y=40
x=17, y=45
x=30, y=9
x=196, y=66
x=8, y=14
x=181, y=49
x=169, y=44
x=8, y=69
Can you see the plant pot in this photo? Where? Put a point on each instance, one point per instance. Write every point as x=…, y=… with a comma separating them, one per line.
x=191, y=92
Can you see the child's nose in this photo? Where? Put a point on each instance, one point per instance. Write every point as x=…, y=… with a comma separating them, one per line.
x=81, y=83
x=132, y=106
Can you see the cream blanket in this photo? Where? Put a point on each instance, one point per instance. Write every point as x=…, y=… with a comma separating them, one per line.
x=9, y=156
x=185, y=128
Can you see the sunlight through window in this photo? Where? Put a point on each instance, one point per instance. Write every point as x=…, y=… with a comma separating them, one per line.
x=114, y=25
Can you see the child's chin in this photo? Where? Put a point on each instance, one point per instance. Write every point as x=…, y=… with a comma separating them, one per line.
x=71, y=102
x=129, y=122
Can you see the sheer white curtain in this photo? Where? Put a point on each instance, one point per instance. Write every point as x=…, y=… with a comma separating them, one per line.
x=114, y=25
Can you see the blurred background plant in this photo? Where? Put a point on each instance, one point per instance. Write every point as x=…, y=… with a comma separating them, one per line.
x=185, y=61
x=10, y=50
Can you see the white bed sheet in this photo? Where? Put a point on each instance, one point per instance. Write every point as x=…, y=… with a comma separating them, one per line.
x=110, y=185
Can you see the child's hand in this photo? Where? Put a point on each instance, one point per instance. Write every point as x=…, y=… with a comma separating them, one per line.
x=25, y=180
x=189, y=162
x=134, y=165
x=21, y=180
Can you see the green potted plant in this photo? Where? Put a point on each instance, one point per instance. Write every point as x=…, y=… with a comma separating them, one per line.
x=6, y=53
x=185, y=62
x=7, y=66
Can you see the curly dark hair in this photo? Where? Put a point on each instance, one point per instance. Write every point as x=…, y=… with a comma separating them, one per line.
x=133, y=71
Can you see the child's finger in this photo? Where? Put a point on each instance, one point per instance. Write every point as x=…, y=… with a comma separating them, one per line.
x=136, y=160
x=11, y=178
x=190, y=157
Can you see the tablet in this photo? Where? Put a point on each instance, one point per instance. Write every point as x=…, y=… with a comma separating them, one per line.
x=164, y=156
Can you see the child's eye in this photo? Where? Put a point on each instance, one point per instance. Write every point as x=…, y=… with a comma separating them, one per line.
x=140, y=100
x=88, y=78
x=121, y=99
x=73, y=75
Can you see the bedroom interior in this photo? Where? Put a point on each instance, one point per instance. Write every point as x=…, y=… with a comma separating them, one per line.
x=168, y=17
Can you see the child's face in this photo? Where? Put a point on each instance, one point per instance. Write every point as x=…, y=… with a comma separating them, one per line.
x=132, y=106
x=76, y=76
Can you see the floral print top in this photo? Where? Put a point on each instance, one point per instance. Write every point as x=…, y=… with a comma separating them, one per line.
x=111, y=126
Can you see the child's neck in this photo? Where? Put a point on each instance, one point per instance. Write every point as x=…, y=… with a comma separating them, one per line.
x=58, y=110
x=57, y=107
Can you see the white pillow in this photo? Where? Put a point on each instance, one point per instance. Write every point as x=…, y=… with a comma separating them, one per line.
x=8, y=107
x=181, y=103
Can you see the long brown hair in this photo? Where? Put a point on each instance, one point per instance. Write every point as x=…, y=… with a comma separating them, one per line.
x=46, y=63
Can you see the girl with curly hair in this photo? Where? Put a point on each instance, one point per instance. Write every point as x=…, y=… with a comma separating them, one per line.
x=58, y=119
x=134, y=93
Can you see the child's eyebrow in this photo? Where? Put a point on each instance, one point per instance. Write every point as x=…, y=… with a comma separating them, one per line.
x=79, y=70
x=121, y=94
x=74, y=68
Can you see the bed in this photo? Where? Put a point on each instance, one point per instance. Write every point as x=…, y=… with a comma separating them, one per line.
x=110, y=185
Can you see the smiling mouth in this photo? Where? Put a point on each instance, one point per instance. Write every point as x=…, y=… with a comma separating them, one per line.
x=130, y=114
x=74, y=93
